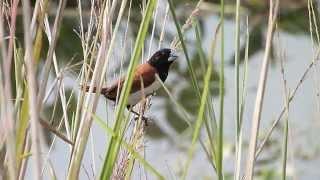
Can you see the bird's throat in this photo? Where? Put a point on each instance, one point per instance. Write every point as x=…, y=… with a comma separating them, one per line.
x=163, y=73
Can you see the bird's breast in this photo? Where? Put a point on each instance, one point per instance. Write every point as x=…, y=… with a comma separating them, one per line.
x=135, y=97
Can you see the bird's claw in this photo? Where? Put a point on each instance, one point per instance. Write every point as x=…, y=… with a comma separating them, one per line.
x=144, y=119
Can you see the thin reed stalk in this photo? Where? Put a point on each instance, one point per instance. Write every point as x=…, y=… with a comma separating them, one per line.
x=6, y=95
x=273, y=12
x=88, y=48
x=286, y=123
x=53, y=38
x=31, y=80
x=237, y=88
x=91, y=103
x=292, y=95
x=313, y=26
x=242, y=106
x=23, y=123
x=221, y=96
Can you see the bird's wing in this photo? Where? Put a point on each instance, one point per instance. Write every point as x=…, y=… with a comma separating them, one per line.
x=112, y=91
x=145, y=71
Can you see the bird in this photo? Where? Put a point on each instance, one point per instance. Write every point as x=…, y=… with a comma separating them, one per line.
x=158, y=64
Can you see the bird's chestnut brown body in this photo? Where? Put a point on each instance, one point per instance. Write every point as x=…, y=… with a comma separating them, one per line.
x=144, y=80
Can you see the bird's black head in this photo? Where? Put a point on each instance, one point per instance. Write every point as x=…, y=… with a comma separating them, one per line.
x=163, y=57
x=162, y=60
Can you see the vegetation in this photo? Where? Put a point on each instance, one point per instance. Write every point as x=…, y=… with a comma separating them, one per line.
x=48, y=53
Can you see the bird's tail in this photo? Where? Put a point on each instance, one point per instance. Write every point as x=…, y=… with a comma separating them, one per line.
x=103, y=91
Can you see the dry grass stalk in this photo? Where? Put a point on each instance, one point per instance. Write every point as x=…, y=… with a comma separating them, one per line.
x=6, y=95
x=91, y=100
x=260, y=92
x=123, y=166
x=136, y=142
x=292, y=95
x=31, y=79
x=120, y=170
x=175, y=44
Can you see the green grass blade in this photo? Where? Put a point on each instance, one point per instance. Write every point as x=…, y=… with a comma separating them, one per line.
x=23, y=123
x=181, y=110
x=210, y=121
x=221, y=95
x=190, y=68
x=200, y=118
x=143, y=161
x=114, y=146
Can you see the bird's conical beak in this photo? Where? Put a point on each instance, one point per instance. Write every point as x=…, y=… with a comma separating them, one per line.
x=173, y=56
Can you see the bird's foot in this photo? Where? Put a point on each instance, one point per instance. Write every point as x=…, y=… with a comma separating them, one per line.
x=144, y=119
